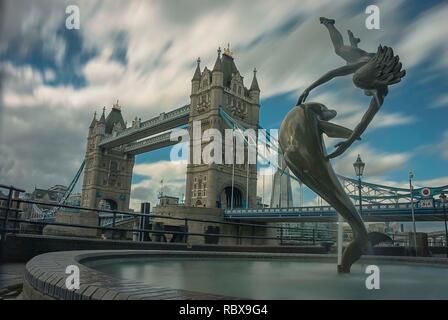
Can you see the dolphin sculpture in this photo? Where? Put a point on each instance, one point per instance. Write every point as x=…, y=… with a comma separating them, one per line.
x=301, y=140
x=300, y=135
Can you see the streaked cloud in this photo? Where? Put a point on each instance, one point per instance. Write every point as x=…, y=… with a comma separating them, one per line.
x=144, y=52
x=379, y=162
x=422, y=38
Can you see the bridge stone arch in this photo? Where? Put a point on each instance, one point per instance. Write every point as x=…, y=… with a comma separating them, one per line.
x=108, y=204
x=239, y=197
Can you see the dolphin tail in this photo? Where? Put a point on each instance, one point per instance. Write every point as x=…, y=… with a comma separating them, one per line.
x=378, y=237
x=357, y=248
x=351, y=254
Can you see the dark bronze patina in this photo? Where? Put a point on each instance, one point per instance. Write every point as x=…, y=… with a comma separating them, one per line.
x=301, y=131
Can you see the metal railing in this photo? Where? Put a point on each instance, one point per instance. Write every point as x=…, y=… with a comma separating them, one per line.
x=12, y=221
x=15, y=223
x=8, y=205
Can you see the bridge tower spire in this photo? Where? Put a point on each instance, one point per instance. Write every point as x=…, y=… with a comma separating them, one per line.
x=254, y=91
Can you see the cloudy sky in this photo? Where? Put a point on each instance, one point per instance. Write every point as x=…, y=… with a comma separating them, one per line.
x=143, y=53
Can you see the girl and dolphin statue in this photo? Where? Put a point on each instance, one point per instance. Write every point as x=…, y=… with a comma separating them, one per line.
x=301, y=141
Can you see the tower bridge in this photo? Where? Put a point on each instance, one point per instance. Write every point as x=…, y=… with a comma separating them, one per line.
x=219, y=100
x=111, y=147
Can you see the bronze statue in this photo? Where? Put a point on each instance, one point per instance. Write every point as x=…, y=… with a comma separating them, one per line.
x=301, y=140
x=371, y=72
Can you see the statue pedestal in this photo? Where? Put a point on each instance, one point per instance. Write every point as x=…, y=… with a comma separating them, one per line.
x=74, y=217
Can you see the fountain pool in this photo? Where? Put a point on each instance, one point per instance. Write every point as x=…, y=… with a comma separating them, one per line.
x=280, y=279
x=168, y=274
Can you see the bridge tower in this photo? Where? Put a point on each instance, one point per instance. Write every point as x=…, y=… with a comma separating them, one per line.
x=210, y=185
x=107, y=172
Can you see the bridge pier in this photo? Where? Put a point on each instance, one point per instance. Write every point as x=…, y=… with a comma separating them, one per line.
x=189, y=218
x=74, y=217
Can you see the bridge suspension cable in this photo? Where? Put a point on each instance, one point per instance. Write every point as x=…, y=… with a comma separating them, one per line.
x=374, y=193
x=253, y=144
x=50, y=213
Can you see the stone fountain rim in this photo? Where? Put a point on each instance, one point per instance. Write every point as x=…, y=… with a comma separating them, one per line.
x=45, y=274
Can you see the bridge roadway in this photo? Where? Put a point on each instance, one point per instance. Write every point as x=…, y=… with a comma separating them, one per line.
x=161, y=123
x=152, y=143
x=371, y=213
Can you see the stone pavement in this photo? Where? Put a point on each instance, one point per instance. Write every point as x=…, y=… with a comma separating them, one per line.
x=11, y=280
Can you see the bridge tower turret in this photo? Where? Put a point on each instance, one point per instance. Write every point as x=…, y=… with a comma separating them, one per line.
x=254, y=91
x=210, y=185
x=107, y=173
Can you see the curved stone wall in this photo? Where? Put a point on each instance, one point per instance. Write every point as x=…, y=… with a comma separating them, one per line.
x=45, y=275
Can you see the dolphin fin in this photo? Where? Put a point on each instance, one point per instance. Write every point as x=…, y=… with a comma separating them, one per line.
x=333, y=130
x=378, y=237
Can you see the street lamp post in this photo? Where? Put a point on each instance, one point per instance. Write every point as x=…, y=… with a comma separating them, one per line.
x=359, y=170
x=442, y=198
x=411, y=190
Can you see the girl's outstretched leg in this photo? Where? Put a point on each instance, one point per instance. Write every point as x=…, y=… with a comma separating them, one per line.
x=335, y=35
x=350, y=54
x=353, y=40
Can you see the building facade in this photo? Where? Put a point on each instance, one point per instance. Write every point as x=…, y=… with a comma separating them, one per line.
x=281, y=196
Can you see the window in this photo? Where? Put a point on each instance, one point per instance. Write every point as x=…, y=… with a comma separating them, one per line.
x=113, y=166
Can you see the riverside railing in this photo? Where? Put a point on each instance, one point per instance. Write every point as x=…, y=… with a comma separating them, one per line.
x=12, y=216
